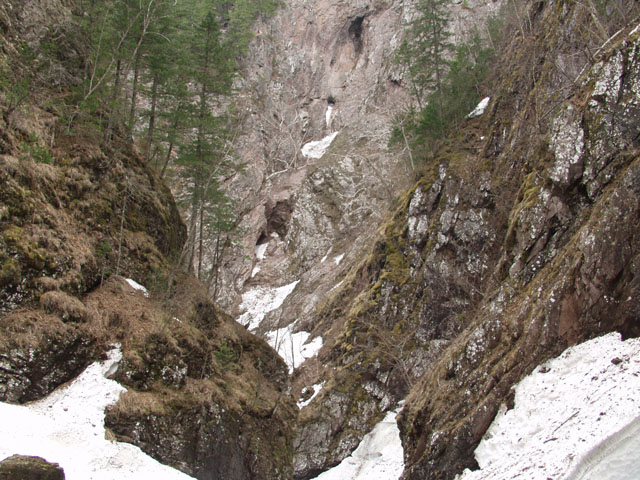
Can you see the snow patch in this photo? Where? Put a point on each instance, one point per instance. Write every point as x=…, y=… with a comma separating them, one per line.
x=328, y=115
x=255, y=271
x=318, y=148
x=292, y=347
x=480, y=108
x=261, y=251
x=378, y=457
x=338, y=258
x=326, y=256
x=136, y=286
x=316, y=389
x=259, y=301
x=563, y=411
x=67, y=427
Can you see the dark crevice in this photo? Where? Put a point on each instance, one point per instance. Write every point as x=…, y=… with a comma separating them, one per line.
x=355, y=33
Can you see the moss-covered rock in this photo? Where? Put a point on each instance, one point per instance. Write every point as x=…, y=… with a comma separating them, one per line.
x=29, y=468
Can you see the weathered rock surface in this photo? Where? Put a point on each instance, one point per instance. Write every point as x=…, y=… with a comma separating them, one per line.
x=315, y=71
x=20, y=467
x=513, y=245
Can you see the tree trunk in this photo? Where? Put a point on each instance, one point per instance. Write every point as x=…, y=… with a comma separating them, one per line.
x=134, y=94
x=114, y=100
x=152, y=118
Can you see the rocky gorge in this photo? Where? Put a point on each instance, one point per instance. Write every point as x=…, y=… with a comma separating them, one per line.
x=441, y=278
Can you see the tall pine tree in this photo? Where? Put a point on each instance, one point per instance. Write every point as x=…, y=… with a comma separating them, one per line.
x=427, y=48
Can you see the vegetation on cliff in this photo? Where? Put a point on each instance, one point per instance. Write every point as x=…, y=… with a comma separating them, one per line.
x=480, y=273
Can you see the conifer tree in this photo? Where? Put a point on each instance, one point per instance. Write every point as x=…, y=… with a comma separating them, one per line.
x=204, y=159
x=426, y=49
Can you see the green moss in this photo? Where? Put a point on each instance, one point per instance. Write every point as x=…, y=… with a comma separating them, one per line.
x=10, y=273
x=12, y=235
x=526, y=198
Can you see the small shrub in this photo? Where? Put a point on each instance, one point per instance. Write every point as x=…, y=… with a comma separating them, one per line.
x=225, y=355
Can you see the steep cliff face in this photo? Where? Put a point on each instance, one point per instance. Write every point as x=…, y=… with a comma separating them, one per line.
x=519, y=240
x=80, y=211
x=568, y=260
x=320, y=72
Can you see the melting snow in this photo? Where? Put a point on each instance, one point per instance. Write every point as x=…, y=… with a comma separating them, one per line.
x=260, y=301
x=261, y=250
x=326, y=256
x=378, y=457
x=338, y=258
x=480, y=108
x=566, y=414
x=67, y=427
x=316, y=389
x=292, y=347
x=135, y=285
x=318, y=148
x=328, y=115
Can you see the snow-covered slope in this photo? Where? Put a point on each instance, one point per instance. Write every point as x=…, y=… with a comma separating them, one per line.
x=67, y=427
x=293, y=347
x=567, y=413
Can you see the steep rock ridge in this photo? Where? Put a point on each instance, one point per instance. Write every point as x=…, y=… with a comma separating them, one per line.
x=512, y=246
x=77, y=214
x=568, y=268
x=316, y=73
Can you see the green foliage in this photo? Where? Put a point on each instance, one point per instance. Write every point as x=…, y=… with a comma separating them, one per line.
x=37, y=152
x=454, y=97
x=241, y=15
x=16, y=82
x=103, y=250
x=225, y=356
x=426, y=48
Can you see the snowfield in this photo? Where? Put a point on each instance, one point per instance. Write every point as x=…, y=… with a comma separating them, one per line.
x=260, y=301
x=294, y=348
x=67, y=428
x=575, y=417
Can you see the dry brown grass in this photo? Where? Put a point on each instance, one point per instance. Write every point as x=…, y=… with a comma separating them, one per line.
x=69, y=308
x=137, y=404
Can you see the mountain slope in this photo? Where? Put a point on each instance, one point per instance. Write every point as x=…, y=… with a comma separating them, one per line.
x=519, y=240
x=80, y=212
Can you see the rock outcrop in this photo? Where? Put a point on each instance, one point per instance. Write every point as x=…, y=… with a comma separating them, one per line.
x=29, y=468
x=322, y=73
x=318, y=73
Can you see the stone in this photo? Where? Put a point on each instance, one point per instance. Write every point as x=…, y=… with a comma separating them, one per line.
x=21, y=467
